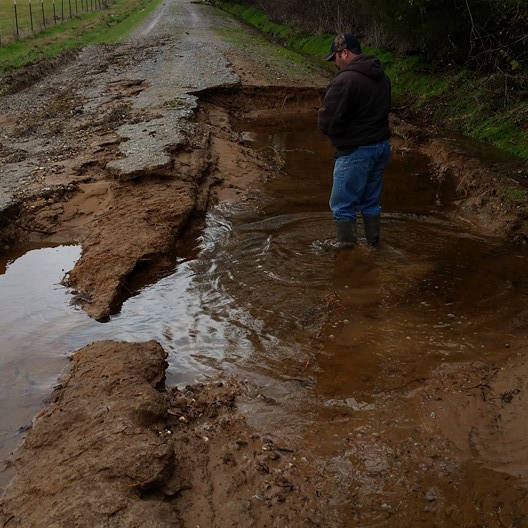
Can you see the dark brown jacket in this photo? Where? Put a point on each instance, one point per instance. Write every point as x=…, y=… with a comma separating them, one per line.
x=357, y=104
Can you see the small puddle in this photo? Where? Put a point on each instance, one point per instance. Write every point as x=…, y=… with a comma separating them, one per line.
x=252, y=297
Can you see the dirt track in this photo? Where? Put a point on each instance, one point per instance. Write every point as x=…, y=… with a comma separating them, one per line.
x=153, y=149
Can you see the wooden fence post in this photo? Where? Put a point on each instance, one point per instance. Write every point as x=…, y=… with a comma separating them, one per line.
x=31, y=17
x=16, y=19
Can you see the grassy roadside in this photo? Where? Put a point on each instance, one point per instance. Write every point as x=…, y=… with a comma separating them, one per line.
x=106, y=26
x=477, y=106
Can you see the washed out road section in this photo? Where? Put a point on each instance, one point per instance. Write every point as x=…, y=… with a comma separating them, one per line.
x=350, y=367
x=348, y=344
x=139, y=169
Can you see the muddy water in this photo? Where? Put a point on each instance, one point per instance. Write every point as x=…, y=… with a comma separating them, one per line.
x=31, y=300
x=252, y=297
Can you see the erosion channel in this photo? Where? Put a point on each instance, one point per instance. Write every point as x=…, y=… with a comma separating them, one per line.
x=390, y=384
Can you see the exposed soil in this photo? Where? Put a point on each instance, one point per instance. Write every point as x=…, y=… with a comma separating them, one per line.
x=114, y=448
x=486, y=181
x=144, y=218
x=21, y=78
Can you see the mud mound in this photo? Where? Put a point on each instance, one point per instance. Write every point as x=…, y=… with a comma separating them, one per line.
x=100, y=443
x=113, y=449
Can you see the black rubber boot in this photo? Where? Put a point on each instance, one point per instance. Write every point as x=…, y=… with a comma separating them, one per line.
x=372, y=230
x=346, y=233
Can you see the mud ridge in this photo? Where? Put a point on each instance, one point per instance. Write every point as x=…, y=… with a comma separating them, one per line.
x=486, y=188
x=22, y=78
x=115, y=448
x=253, y=101
x=149, y=214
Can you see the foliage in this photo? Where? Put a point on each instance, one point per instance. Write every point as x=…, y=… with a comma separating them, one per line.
x=514, y=194
x=485, y=106
x=489, y=34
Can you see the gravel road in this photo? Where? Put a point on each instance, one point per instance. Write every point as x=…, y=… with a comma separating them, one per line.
x=175, y=51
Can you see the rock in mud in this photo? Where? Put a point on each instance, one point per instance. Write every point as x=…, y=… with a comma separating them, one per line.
x=432, y=495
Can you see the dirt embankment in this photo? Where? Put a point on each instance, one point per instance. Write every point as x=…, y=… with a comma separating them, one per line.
x=114, y=448
x=490, y=188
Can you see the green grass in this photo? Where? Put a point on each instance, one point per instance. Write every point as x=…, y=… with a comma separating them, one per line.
x=105, y=26
x=514, y=194
x=300, y=42
x=459, y=100
x=285, y=58
x=46, y=13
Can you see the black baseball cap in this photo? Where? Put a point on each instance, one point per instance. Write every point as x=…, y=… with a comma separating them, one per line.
x=341, y=42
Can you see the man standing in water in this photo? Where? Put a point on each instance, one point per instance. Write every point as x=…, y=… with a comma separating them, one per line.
x=355, y=117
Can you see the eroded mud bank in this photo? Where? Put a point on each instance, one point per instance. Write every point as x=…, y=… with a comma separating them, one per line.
x=115, y=448
x=485, y=180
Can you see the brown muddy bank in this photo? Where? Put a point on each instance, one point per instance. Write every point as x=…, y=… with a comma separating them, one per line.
x=490, y=185
x=115, y=448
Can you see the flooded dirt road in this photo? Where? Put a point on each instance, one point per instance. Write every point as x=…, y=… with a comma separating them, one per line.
x=293, y=384
x=377, y=367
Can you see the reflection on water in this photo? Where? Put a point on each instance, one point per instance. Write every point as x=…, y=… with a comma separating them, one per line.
x=34, y=310
x=251, y=299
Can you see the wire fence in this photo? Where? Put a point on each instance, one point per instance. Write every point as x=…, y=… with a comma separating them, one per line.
x=26, y=18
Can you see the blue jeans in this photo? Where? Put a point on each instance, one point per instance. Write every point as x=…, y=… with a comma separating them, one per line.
x=358, y=178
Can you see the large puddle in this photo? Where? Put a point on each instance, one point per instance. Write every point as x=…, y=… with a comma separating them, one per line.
x=251, y=298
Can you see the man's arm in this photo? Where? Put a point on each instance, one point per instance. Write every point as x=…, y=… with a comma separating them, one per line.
x=332, y=116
